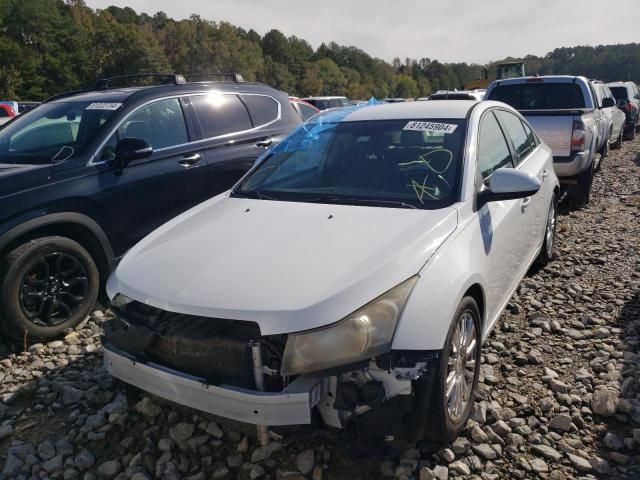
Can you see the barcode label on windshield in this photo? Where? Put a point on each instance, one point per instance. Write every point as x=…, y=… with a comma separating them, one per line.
x=430, y=127
x=104, y=106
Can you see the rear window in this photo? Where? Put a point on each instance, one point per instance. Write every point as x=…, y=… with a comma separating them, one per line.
x=451, y=96
x=539, y=96
x=263, y=109
x=220, y=114
x=620, y=93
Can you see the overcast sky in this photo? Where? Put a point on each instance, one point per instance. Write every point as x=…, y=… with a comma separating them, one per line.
x=447, y=30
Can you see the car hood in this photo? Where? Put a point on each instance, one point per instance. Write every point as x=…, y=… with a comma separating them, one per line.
x=287, y=266
x=16, y=177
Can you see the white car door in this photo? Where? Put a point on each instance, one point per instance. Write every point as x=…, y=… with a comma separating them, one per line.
x=502, y=223
x=532, y=160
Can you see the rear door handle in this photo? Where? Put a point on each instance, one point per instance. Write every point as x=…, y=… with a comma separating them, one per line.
x=190, y=159
x=265, y=143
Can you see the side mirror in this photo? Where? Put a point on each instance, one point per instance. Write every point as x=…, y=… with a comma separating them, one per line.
x=622, y=103
x=608, y=102
x=130, y=149
x=509, y=184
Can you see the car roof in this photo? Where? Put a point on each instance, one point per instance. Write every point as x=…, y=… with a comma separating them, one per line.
x=121, y=95
x=552, y=78
x=454, y=109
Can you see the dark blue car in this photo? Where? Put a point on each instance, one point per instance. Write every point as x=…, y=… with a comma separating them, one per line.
x=86, y=175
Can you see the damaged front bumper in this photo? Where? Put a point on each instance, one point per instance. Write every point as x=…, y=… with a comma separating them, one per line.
x=291, y=406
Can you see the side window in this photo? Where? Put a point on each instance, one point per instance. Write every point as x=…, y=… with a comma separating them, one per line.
x=220, y=114
x=513, y=129
x=262, y=109
x=160, y=123
x=306, y=111
x=493, y=152
x=533, y=139
x=3, y=113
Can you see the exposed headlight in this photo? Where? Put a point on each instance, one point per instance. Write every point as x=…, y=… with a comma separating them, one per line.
x=364, y=334
x=120, y=300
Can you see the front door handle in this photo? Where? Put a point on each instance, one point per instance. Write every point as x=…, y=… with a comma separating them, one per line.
x=189, y=160
x=545, y=173
x=525, y=203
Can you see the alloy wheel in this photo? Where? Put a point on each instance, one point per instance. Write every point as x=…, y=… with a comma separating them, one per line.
x=550, y=233
x=53, y=288
x=461, y=367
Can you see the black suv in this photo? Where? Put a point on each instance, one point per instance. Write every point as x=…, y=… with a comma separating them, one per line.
x=86, y=175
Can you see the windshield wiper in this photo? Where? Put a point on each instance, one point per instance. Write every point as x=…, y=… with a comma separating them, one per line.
x=366, y=201
x=251, y=194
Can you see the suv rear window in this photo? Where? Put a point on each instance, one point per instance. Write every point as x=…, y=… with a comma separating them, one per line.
x=620, y=93
x=263, y=109
x=220, y=114
x=539, y=96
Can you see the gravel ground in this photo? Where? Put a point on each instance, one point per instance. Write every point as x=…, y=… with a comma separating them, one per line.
x=559, y=396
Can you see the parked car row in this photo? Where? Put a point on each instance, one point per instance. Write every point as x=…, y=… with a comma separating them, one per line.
x=267, y=269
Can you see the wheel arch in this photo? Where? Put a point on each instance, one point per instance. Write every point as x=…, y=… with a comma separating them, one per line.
x=476, y=292
x=73, y=225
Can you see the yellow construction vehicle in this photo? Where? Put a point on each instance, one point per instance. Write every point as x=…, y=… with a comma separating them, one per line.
x=503, y=70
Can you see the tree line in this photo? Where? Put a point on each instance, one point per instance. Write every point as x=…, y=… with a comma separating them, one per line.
x=50, y=46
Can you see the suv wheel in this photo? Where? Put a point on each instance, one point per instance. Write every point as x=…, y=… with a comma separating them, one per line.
x=48, y=285
x=453, y=392
x=581, y=193
x=629, y=134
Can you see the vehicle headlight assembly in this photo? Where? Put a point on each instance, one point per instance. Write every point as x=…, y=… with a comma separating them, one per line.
x=365, y=333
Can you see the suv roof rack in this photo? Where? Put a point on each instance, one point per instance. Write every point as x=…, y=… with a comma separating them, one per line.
x=234, y=77
x=174, y=78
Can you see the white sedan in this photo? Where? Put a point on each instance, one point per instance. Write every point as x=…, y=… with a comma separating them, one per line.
x=354, y=271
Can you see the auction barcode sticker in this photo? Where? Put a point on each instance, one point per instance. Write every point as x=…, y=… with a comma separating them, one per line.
x=430, y=127
x=104, y=106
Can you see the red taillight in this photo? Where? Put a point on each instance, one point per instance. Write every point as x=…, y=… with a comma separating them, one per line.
x=578, y=136
x=628, y=108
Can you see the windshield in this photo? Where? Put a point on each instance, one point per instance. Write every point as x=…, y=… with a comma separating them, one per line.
x=53, y=132
x=620, y=93
x=539, y=96
x=393, y=163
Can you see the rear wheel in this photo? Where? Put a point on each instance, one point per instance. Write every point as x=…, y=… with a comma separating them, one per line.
x=630, y=134
x=618, y=143
x=455, y=381
x=48, y=285
x=544, y=257
x=581, y=193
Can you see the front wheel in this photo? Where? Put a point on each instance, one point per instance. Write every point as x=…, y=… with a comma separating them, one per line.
x=618, y=143
x=48, y=284
x=453, y=389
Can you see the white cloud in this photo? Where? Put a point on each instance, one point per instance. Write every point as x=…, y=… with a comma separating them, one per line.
x=447, y=30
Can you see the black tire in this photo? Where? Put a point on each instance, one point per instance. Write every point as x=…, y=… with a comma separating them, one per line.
x=604, y=153
x=439, y=425
x=581, y=193
x=548, y=243
x=618, y=143
x=48, y=285
x=629, y=134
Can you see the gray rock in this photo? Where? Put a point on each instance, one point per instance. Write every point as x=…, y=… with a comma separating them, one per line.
x=581, y=464
x=234, y=461
x=478, y=435
x=305, y=462
x=46, y=450
x=84, y=460
x=479, y=413
x=214, y=430
x=604, y=402
x=147, y=408
x=561, y=422
x=256, y=472
x=109, y=469
x=538, y=465
x=558, y=387
x=53, y=465
x=182, y=432
x=5, y=430
x=600, y=465
x=140, y=476
x=485, y=451
x=71, y=395
x=460, y=467
x=612, y=441
x=426, y=474
x=441, y=472
x=547, y=452
x=12, y=466
x=221, y=472
x=262, y=453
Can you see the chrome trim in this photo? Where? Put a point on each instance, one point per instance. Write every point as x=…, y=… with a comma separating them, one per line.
x=92, y=161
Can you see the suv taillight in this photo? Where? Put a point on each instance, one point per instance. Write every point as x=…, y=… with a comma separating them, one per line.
x=579, y=136
x=629, y=108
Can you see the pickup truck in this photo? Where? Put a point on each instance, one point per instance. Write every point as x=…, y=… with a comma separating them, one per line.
x=564, y=112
